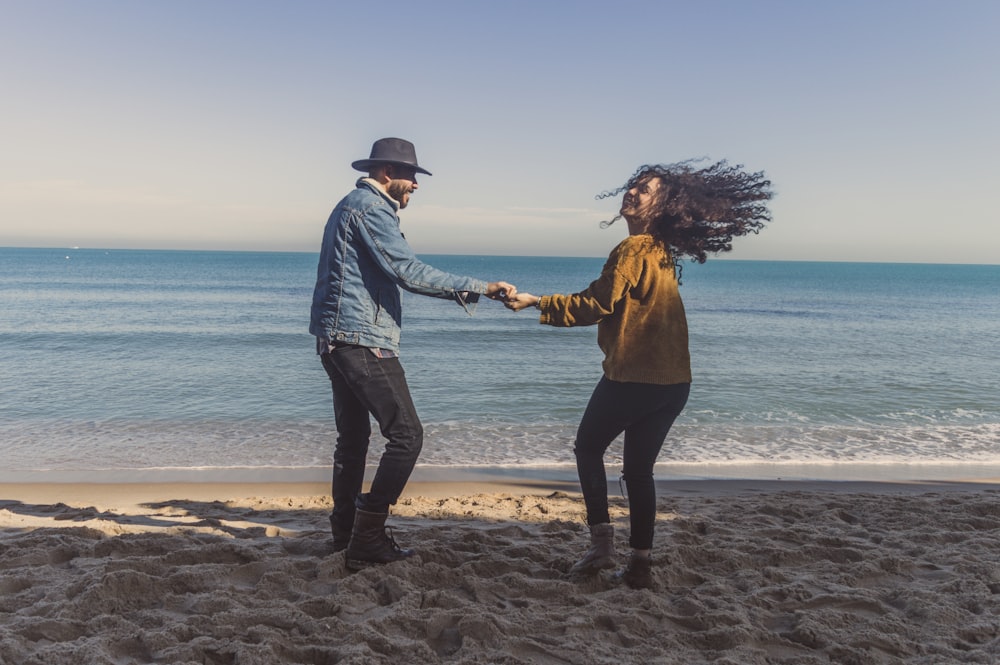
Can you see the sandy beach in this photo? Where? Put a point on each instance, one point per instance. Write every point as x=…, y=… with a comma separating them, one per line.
x=747, y=572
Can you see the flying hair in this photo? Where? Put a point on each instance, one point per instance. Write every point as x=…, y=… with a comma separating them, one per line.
x=698, y=211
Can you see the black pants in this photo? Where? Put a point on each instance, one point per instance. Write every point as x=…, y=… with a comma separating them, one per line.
x=364, y=384
x=645, y=412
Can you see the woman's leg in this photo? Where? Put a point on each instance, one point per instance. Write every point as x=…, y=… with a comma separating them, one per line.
x=644, y=438
x=601, y=423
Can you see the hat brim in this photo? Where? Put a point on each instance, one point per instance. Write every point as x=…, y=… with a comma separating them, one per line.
x=366, y=164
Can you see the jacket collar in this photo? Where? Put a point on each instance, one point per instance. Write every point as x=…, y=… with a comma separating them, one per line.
x=377, y=187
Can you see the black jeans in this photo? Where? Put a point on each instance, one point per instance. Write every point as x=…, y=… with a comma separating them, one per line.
x=645, y=413
x=364, y=384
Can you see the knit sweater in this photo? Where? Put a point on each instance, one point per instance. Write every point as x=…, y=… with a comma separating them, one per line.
x=636, y=304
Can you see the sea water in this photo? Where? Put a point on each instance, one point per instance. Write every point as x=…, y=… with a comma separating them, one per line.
x=124, y=363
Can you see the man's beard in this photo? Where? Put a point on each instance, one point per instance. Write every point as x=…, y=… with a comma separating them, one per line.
x=399, y=189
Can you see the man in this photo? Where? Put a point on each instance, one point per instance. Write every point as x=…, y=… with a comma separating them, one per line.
x=356, y=317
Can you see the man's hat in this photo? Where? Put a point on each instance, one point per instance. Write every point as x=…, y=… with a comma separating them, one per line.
x=390, y=151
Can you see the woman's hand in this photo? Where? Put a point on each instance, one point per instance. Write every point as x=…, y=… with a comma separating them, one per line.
x=520, y=301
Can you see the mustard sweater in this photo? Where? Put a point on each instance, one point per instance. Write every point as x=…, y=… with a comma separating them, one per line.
x=641, y=326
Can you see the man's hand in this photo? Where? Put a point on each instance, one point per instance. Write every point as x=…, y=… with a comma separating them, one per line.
x=500, y=291
x=521, y=301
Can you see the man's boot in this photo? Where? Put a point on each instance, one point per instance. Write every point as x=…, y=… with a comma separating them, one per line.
x=371, y=544
x=601, y=554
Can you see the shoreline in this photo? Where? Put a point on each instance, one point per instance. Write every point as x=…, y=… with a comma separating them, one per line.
x=517, y=474
x=129, y=496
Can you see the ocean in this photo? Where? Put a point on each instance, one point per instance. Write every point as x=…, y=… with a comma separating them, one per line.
x=163, y=365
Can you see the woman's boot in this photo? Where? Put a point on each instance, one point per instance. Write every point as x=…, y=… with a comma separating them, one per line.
x=371, y=544
x=639, y=573
x=601, y=554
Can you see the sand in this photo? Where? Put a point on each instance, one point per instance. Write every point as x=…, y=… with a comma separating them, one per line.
x=746, y=572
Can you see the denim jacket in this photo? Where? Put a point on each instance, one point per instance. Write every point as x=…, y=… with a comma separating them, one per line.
x=363, y=262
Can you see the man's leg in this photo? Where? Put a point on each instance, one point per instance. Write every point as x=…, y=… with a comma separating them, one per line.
x=349, y=455
x=388, y=397
x=380, y=384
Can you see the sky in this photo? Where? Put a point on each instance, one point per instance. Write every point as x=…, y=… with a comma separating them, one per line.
x=231, y=125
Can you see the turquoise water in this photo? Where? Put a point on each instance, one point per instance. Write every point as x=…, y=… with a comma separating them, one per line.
x=125, y=360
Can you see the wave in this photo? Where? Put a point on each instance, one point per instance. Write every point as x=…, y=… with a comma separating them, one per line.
x=105, y=446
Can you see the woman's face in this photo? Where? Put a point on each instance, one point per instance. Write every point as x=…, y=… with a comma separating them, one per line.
x=639, y=202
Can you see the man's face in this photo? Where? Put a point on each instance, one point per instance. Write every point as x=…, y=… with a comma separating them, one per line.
x=402, y=183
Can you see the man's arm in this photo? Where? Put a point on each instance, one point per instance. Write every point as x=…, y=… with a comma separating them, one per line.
x=380, y=231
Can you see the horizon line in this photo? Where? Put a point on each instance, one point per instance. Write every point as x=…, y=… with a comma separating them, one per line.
x=539, y=256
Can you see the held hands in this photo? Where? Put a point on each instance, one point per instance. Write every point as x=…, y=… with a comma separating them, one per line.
x=500, y=291
x=520, y=301
x=507, y=294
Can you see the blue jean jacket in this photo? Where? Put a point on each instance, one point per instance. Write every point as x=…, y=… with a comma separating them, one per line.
x=363, y=263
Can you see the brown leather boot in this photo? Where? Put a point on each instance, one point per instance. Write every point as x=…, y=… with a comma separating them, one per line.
x=371, y=544
x=601, y=554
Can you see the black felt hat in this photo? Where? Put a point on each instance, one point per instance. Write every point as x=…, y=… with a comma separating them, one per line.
x=390, y=151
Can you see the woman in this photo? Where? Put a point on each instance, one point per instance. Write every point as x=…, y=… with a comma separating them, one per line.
x=672, y=211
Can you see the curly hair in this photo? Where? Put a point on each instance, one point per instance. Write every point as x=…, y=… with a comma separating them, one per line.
x=700, y=211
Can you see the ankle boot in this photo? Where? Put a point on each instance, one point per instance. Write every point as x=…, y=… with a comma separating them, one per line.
x=601, y=554
x=638, y=574
x=371, y=544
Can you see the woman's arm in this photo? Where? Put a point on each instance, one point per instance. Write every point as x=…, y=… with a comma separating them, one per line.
x=592, y=304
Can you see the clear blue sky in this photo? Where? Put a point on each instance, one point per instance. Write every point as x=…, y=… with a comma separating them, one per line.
x=232, y=125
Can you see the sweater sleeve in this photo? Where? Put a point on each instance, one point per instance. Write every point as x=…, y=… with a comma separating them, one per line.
x=594, y=303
